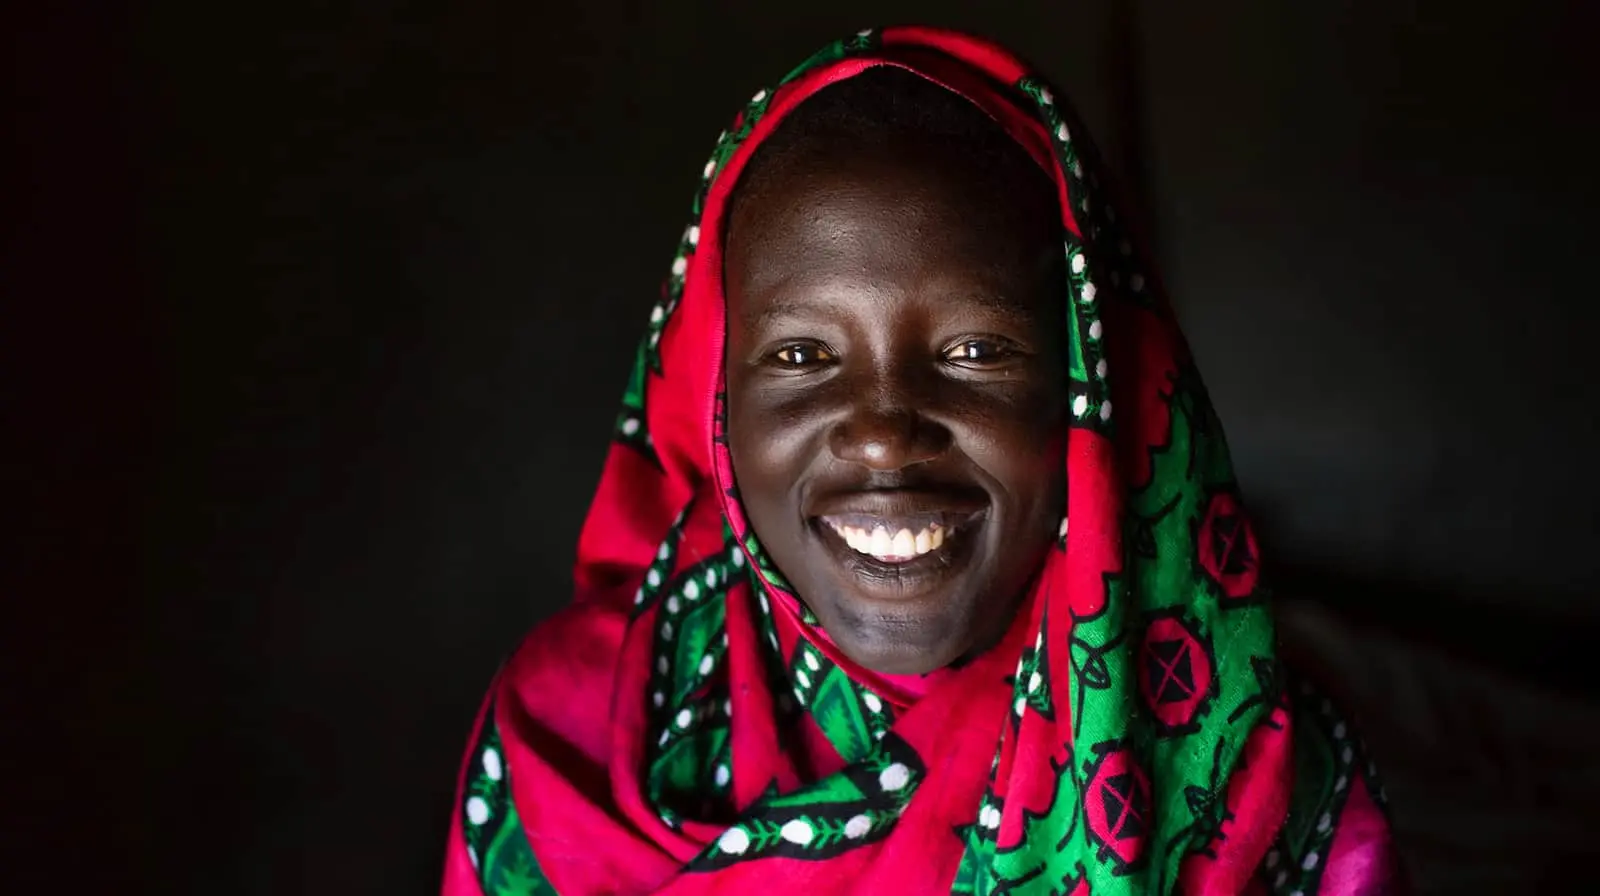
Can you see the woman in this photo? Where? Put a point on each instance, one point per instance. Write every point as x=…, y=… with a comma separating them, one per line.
x=877, y=594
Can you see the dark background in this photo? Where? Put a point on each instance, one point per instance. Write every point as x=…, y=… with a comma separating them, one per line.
x=328, y=310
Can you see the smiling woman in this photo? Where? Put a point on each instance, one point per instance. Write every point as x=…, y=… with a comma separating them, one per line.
x=905, y=327
x=876, y=594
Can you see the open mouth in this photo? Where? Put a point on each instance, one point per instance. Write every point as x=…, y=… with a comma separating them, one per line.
x=891, y=541
x=900, y=553
x=898, y=543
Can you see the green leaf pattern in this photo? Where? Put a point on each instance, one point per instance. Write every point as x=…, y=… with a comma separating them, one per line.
x=496, y=845
x=853, y=717
x=690, y=767
x=660, y=568
x=848, y=809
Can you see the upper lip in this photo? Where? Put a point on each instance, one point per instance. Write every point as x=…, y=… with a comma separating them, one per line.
x=912, y=508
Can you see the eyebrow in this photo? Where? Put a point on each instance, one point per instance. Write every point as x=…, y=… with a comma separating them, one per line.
x=784, y=308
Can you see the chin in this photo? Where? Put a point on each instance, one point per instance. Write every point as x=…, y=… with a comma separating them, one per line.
x=899, y=646
x=897, y=663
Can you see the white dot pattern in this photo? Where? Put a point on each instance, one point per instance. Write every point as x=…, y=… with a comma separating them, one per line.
x=798, y=832
x=894, y=777
x=734, y=841
x=1345, y=755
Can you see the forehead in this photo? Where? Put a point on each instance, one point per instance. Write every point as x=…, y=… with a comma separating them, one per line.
x=897, y=214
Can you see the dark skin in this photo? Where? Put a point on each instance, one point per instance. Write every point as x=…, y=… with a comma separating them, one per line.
x=895, y=361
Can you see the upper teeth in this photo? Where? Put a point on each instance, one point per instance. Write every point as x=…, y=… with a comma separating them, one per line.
x=880, y=544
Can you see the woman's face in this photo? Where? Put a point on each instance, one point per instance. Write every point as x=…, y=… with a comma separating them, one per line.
x=896, y=393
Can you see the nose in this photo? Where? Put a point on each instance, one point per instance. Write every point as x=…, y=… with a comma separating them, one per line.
x=885, y=429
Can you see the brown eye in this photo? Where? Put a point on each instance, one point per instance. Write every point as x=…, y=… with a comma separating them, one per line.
x=802, y=354
x=974, y=352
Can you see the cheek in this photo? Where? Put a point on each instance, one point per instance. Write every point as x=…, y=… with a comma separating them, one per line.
x=767, y=444
x=1023, y=423
x=1021, y=443
x=779, y=422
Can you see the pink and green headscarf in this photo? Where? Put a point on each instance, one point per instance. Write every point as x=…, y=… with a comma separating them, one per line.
x=684, y=726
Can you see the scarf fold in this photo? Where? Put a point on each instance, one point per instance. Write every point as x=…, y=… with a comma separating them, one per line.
x=684, y=727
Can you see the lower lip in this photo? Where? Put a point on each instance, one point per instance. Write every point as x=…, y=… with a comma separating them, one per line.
x=900, y=579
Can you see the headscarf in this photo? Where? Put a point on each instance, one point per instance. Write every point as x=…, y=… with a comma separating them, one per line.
x=684, y=726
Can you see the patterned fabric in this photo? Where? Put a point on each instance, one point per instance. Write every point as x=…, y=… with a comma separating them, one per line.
x=685, y=727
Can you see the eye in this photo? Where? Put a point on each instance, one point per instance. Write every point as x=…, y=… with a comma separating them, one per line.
x=981, y=351
x=802, y=354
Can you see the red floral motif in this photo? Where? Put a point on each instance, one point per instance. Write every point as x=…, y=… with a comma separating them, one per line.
x=1175, y=673
x=1117, y=806
x=1227, y=547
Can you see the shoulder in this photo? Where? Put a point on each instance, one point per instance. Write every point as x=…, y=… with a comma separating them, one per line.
x=555, y=689
x=562, y=676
